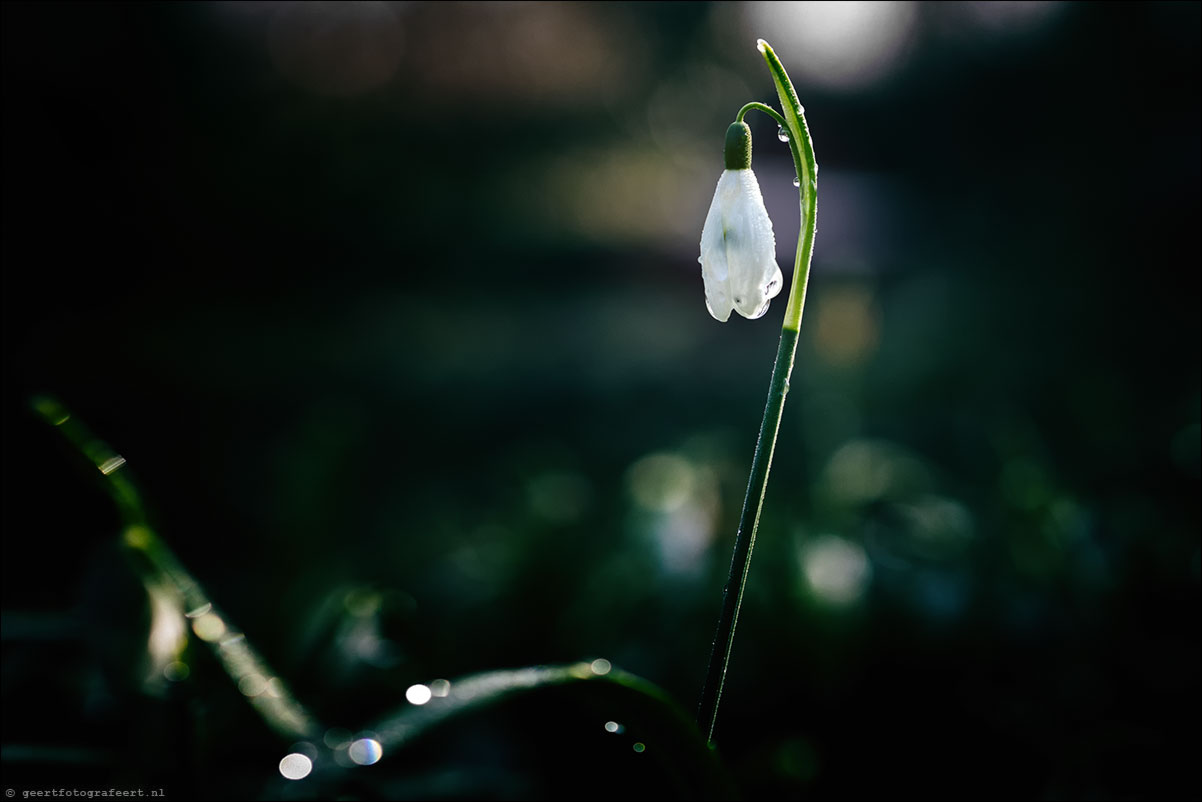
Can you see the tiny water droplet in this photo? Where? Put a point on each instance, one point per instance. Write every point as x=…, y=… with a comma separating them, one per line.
x=782, y=134
x=796, y=181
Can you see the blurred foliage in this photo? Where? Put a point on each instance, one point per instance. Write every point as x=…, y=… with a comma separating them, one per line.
x=394, y=311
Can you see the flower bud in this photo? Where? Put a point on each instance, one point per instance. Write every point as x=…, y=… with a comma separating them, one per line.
x=738, y=146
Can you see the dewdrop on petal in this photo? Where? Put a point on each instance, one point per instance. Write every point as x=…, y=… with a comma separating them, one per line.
x=738, y=248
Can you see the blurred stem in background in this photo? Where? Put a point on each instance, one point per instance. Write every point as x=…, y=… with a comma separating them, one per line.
x=176, y=598
x=794, y=125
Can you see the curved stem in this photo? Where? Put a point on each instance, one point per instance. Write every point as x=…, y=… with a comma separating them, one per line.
x=732, y=595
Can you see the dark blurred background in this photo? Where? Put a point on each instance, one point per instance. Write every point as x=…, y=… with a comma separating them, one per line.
x=394, y=311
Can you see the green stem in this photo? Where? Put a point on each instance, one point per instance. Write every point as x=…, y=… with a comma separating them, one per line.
x=757, y=106
x=732, y=595
x=161, y=571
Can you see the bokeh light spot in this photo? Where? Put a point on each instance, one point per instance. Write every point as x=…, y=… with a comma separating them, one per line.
x=295, y=766
x=640, y=747
x=600, y=666
x=418, y=694
x=614, y=727
x=846, y=45
x=864, y=471
x=363, y=602
x=440, y=688
x=845, y=331
x=208, y=627
x=168, y=629
x=836, y=570
x=366, y=751
x=176, y=671
x=252, y=685
x=137, y=537
x=661, y=482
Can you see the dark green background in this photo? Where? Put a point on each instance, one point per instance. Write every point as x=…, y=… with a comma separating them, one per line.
x=410, y=341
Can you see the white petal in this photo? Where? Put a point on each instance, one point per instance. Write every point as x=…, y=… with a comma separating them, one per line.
x=738, y=249
x=714, y=271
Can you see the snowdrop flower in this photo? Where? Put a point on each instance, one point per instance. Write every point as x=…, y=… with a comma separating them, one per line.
x=738, y=263
x=738, y=248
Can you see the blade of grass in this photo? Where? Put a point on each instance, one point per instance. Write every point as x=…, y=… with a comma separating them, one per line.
x=646, y=710
x=161, y=572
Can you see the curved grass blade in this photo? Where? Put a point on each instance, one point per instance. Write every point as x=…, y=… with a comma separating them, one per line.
x=173, y=592
x=661, y=723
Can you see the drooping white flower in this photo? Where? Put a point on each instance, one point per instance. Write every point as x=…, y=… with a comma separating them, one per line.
x=738, y=248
